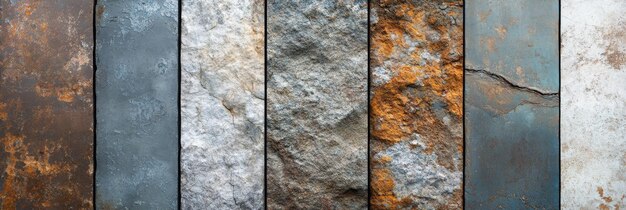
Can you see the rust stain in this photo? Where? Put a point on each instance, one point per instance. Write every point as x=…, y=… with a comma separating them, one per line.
x=425, y=82
x=501, y=30
x=3, y=113
x=45, y=105
x=613, y=52
x=608, y=200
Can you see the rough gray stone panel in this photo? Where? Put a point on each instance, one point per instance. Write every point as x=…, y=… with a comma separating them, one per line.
x=222, y=107
x=137, y=96
x=593, y=121
x=512, y=104
x=317, y=104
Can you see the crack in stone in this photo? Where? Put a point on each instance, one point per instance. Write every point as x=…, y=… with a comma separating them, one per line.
x=501, y=79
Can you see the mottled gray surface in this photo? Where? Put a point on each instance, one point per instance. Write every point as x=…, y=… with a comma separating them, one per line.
x=222, y=104
x=317, y=104
x=137, y=115
x=593, y=121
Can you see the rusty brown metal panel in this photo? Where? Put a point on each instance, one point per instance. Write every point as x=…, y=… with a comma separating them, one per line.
x=46, y=114
x=416, y=104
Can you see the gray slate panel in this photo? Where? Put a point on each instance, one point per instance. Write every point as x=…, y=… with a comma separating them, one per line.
x=137, y=96
x=512, y=104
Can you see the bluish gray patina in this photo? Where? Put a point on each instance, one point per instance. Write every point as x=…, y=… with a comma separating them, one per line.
x=137, y=90
x=512, y=104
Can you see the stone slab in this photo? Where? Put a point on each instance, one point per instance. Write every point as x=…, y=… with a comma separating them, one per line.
x=223, y=102
x=317, y=104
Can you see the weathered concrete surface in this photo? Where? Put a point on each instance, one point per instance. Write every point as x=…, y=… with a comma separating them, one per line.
x=46, y=111
x=222, y=104
x=416, y=104
x=317, y=104
x=593, y=121
x=512, y=104
x=137, y=114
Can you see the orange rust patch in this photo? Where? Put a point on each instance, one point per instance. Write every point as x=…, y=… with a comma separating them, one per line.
x=382, y=190
x=600, y=191
x=501, y=30
x=3, y=113
x=491, y=44
x=385, y=159
x=603, y=207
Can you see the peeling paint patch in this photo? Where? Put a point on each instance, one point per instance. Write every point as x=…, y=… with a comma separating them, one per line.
x=46, y=133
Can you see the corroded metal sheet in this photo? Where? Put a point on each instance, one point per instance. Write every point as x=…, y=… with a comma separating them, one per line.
x=46, y=111
x=317, y=104
x=512, y=104
x=593, y=121
x=416, y=104
x=222, y=104
x=137, y=97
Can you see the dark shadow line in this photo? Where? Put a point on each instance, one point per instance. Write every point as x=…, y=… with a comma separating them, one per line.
x=93, y=84
x=463, y=116
x=369, y=167
x=559, y=125
x=180, y=20
x=265, y=107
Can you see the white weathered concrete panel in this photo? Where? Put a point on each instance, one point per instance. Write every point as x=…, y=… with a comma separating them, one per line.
x=593, y=108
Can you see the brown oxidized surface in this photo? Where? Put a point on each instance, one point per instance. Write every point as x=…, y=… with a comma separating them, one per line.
x=416, y=104
x=46, y=132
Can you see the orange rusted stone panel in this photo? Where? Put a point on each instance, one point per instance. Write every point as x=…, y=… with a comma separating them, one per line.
x=416, y=104
x=46, y=113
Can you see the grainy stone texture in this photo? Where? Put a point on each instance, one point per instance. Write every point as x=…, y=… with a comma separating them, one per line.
x=593, y=121
x=512, y=104
x=137, y=96
x=46, y=111
x=416, y=104
x=317, y=104
x=222, y=104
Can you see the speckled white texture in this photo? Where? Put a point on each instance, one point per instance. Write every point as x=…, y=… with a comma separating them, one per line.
x=593, y=108
x=222, y=104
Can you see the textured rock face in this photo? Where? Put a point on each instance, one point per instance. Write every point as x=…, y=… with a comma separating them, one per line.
x=512, y=104
x=416, y=104
x=222, y=104
x=137, y=114
x=593, y=59
x=317, y=104
x=46, y=112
